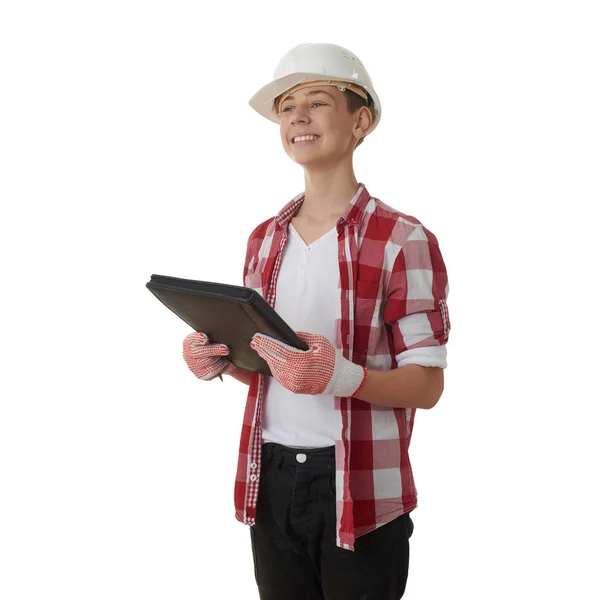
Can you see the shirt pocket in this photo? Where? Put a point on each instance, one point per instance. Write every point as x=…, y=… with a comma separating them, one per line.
x=367, y=315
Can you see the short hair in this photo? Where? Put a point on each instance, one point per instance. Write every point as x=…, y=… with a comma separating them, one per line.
x=354, y=102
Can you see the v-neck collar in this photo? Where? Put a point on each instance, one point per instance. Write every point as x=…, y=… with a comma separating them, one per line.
x=317, y=241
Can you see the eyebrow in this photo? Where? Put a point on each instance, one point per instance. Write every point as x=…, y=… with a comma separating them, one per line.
x=311, y=93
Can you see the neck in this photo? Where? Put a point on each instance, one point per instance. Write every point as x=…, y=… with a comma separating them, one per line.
x=327, y=192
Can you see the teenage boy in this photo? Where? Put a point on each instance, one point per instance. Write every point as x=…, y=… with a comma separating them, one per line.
x=324, y=477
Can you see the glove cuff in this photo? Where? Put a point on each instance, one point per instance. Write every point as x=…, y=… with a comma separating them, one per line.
x=347, y=378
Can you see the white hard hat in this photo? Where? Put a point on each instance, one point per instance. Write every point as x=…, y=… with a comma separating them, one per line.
x=319, y=63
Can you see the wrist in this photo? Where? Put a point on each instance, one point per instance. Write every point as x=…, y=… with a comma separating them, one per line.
x=364, y=378
x=242, y=375
x=229, y=368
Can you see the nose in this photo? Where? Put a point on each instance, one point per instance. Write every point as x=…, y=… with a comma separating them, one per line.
x=300, y=114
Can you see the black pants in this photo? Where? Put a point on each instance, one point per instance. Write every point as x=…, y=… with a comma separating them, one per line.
x=294, y=539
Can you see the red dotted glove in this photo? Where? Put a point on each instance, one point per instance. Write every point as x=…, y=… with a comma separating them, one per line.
x=319, y=370
x=206, y=361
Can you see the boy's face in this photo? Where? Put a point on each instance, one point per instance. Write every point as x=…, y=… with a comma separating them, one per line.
x=321, y=110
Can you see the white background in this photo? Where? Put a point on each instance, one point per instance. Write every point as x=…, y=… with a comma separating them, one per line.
x=128, y=148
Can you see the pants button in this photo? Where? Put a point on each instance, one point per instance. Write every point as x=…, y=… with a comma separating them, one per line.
x=301, y=458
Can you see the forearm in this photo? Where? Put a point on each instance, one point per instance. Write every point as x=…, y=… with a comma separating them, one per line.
x=411, y=386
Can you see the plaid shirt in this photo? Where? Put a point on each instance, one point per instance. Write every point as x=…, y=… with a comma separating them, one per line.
x=391, y=268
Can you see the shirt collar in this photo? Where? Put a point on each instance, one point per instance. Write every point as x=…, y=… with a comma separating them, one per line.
x=353, y=214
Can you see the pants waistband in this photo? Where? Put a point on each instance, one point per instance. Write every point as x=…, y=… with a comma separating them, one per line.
x=297, y=456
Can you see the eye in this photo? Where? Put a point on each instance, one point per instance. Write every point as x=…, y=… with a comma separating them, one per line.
x=287, y=108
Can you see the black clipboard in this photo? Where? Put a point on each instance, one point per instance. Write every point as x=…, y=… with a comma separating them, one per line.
x=228, y=314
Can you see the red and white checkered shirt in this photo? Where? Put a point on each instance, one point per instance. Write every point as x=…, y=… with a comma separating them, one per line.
x=391, y=268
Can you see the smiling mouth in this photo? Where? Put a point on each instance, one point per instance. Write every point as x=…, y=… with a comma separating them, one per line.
x=305, y=139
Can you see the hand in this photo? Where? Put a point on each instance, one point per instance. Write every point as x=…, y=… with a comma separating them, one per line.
x=206, y=361
x=319, y=370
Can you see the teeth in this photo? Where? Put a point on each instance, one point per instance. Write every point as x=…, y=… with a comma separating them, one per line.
x=303, y=138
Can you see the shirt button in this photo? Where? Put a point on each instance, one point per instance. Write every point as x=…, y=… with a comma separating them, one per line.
x=301, y=458
x=253, y=477
x=253, y=466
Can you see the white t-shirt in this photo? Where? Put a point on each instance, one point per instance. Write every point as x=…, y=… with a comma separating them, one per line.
x=308, y=299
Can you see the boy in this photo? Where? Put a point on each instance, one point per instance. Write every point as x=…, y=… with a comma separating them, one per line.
x=365, y=286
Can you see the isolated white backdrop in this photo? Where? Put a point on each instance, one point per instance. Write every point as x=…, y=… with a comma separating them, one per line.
x=129, y=148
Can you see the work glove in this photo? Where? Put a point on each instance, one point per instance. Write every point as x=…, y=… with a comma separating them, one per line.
x=319, y=370
x=206, y=361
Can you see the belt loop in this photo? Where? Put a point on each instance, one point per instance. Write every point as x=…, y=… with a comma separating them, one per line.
x=267, y=452
x=279, y=454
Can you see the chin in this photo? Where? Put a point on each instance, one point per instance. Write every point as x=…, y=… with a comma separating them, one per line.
x=306, y=159
x=308, y=164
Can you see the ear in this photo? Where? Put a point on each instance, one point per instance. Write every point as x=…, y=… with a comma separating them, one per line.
x=362, y=123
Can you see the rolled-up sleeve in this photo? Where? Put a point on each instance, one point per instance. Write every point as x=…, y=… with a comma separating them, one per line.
x=416, y=304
